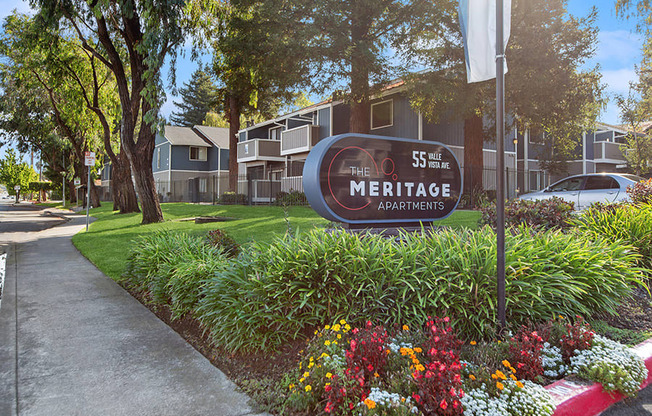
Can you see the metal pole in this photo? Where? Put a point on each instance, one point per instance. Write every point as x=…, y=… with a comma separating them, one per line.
x=500, y=165
x=63, y=178
x=88, y=194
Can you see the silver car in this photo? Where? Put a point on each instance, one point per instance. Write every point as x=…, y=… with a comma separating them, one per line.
x=583, y=190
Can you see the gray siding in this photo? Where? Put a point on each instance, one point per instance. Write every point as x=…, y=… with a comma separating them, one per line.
x=259, y=132
x=324, y=123
x=292, y=123
x=604, y=136
x=224, y=159
x=590, y=139
x=159, y=139
x=165, y=158
x=212, y=158
x=405, y=119
x=447, y=133
x=181, y=160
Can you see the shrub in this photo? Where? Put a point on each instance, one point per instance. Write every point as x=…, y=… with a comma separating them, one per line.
x=525, y=352
x=232, y=198
x=578, y=337
x=291, y=198
x=641, y=192
x=278, y=291
x=630, y=224
x=221, y=239
x=612, y=364
x=170, y=268
x=547, y=214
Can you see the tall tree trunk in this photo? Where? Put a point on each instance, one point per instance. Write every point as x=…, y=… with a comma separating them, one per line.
x=124, y=193
x=473, y=161
x=140, y=155
x=233, y=115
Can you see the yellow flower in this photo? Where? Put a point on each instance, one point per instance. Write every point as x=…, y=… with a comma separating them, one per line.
x=376, y=375
x=311, y=364
x=327, y=327
x=347, y=328
x=471, y=376
x=327, y=343
x=300, y=364
x=334, y=342
x=342, y=322
x=501, y=374
x=406, y=328
x=370, y=403
x=306, y=374
x=336, y=327
x=323, y=354
x=329, y=375
x=513, y=377
x=308, y=388
x=301, y=380
x=339, y=336
x=500, y=386
x=402, y=399
x=404, y=351
x=418, y=350
x=499, y=341
x=519, y=384
x=495, y=377
x=316, y=332
x=506, y=363
x=419, y=367
x=291, y=386
x=472, y=342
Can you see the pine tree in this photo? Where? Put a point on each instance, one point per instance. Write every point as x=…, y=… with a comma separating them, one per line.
x=199, y=96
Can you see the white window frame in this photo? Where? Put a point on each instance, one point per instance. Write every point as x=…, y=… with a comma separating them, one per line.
x=199, y=153
x=391, y=114
x=271, y=129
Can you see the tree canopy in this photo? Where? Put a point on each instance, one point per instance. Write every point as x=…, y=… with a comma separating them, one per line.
x=199, y=96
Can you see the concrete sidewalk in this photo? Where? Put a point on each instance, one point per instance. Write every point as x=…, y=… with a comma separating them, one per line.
x=72, y=342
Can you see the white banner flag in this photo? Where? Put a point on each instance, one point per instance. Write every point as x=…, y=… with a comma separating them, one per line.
x=478, y=24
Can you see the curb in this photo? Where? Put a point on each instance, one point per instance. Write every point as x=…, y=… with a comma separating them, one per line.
x=574, y=399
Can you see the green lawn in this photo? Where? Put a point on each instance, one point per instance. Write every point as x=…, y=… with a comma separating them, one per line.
x=108, y=239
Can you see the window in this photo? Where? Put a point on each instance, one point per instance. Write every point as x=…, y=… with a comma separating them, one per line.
x=382, y=114
x=572, y=184
x=202, y=185
x=275, y=133
x=600, y=182
x=197, y=153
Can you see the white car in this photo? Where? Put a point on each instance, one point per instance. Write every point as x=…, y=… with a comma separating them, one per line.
x=583, y=190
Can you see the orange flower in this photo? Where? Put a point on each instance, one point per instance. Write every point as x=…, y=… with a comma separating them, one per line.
x=500, y=386
x=472, y=342
x=471, y=376
x=519, y=384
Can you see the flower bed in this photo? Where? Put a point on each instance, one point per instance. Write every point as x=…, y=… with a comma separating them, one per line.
x=368, y=371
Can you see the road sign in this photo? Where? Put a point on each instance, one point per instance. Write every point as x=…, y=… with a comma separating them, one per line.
x=89, y=158
x=77, y=181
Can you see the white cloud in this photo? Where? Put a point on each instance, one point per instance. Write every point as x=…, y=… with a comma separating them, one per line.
x=618, y=48
x=618, y=80
x=168, y=106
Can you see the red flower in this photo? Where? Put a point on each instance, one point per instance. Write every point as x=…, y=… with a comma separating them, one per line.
x=329, y=407
x=351, y=406
x=443, y=404
x=416, y=397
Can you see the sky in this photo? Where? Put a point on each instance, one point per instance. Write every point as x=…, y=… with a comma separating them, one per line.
x=618, y=52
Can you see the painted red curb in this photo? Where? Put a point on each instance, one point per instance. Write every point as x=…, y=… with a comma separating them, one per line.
x=573, y=399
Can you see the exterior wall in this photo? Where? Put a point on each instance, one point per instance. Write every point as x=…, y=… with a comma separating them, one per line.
x=242, y=136
x=224, y=159
x=324, y=120
x=446, y=133
x=164, y=148
x=341, y=114
x=405, y=119
x=181, y=160
x=259, y=133
x=295, y=122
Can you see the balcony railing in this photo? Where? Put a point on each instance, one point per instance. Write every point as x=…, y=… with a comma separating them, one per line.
x=259, y=149
x=607, y=151
x=299, y=139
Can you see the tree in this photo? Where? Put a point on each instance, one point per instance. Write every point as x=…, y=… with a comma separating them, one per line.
x=132, y=39
x=545, y=88
x=257, y=59
x=199, y=96
x=634, y=112
x=358, y=43
x=14, y=173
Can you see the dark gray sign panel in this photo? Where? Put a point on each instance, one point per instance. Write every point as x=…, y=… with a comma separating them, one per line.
x=365, y=179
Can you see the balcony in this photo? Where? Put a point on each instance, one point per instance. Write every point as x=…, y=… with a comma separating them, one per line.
x=259, y=149
x=299, y=139
x=607, y=152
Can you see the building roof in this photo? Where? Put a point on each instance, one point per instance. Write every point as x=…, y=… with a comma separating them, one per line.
x=184, y=136
x=217, y=135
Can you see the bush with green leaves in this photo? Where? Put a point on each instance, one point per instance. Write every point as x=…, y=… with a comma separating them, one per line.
x=641, y=192
x=546, y=214
x=232, y=198
x=291, y=198
x=171, y=268
x=279, y=291
x=222, y=239
x=630, y=224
